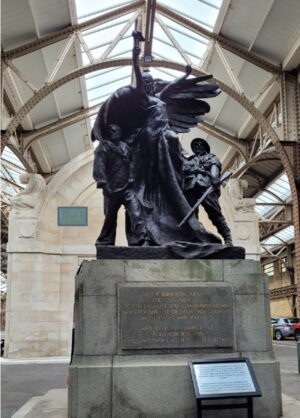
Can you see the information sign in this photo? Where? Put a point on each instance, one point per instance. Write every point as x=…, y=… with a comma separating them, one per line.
x=224, y=378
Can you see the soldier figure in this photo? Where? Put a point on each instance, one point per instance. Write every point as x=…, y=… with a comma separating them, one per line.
x=113, y=173
x=201, y=171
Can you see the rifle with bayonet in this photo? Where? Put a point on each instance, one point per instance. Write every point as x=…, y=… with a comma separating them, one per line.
x=224, y=177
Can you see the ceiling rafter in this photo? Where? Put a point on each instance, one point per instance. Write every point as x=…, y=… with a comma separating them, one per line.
x=225, y=137
x=60, y=58
x=225, y=43
x=59, y=127
x=65, y=33
x=12, y=166
x=86, y=49
x=21, y=76
x=12, y=183
x=120, y=35
x=233, y=77
x=174, y=41
x=21, y=157
x=58, y=122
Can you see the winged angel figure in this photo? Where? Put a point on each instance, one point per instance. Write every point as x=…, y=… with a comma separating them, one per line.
x=150, y=115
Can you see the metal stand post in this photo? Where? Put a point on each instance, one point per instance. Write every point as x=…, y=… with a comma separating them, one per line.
x=298, y=355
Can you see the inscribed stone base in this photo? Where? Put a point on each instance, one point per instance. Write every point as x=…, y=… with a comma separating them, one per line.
x=157, y=387
x=139, y=322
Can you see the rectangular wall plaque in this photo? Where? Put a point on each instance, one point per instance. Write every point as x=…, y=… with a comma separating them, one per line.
x=72, y=216
x=161, y=316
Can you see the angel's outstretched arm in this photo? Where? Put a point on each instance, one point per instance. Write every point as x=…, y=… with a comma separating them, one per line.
x=171, y=85
x=135, y=61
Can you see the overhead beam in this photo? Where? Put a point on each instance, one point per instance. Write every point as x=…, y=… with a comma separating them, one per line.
x=174, y=41
x=85, y=47
x=233, y=77
x=65, y=33
x=257, y=173
x=60, y=58
x=11, y=183
x=59, y=122
x=119, y=36
x=8, y=164
x=225, y=43
x=21, y=76
x=58, y=128
x=281, y=225
x=273, y=204
x=291, y=61
x=150, y=17
x=237, y=143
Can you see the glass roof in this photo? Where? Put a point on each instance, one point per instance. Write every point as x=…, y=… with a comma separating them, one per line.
x=280, y=238
x=11, y=167
x=171, y=41
x=277, y=192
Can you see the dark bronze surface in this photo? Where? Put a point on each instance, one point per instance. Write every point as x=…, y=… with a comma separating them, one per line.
x=139, y=163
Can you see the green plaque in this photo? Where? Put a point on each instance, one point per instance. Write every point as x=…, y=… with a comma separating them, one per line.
x=72, y=216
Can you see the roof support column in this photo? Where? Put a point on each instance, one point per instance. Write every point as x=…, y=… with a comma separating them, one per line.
x=289, y=90
x=290, y=94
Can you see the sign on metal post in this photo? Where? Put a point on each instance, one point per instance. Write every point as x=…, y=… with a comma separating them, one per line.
x=224, y=379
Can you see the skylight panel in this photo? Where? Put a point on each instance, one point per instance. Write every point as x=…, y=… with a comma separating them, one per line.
x=172, y=25
x=103, y=88
x=98, y=29
x=281, y=190
x=123, y=45
x=123, y=54
x=280, y=238
x=202, y=13
x=171, y=41
x=11, y=157
x=193, y=46
x=7, y=189
x=286, y=234
x=105, y=33
x=272, y=241
x=99, y=100
x=107, y=77
x=92, y=8
x=99, y=96
x=165, y=74
x=89, y=77
x=166, y=52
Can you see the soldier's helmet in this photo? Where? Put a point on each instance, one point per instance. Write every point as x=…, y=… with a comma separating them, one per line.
x=199, y=141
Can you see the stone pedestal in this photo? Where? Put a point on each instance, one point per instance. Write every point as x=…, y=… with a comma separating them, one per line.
x=138, y=322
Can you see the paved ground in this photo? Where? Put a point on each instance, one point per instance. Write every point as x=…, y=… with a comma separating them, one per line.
x=20, y=381
x=286, y=352
x=40, y=387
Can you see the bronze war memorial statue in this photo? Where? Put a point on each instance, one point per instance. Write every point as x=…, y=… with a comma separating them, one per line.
x=140, y=164
x=178, y=295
